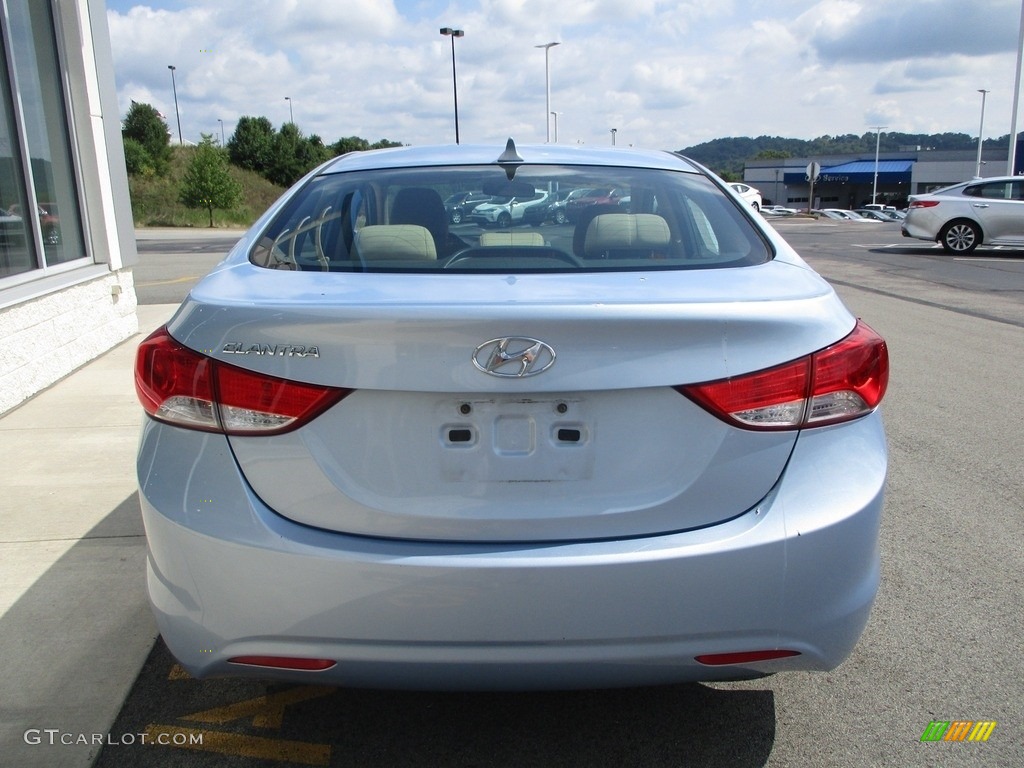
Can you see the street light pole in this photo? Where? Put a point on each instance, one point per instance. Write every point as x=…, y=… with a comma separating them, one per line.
x=1011, y=158
x=614, y=131
x=555, y=115
x=453, y=33
x=878, y=144
x=174, y=87
x=221, y=131
x=981, y=130
x=547, y=88
x=291, y=113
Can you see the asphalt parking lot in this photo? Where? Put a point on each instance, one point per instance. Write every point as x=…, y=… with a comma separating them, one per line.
x=254, y=724
x=942, y=644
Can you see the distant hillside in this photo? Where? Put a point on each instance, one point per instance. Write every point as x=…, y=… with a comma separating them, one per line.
x=727, y=156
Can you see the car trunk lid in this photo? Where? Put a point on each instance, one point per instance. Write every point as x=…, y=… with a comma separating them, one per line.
x=430, y=446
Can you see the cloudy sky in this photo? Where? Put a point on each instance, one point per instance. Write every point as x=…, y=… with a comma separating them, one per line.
x=665, y=73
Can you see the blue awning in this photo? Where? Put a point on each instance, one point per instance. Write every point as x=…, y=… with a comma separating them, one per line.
x=859, y=172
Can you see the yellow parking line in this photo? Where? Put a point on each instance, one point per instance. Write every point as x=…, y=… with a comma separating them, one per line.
x=281, y=750
x=178, y=673
x=265, y=711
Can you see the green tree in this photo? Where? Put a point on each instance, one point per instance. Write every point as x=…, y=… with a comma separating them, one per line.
x=315, y=152
x=293, y=155
x=251, y=146
x=207, y=182
x=349, y=144
x=286, y=167
x=356, y=144
x=137, y=159
x=143, y=124
x=772, y=154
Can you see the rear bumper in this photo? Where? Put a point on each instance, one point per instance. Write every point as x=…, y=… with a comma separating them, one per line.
x=228, y=577
x=927, y=231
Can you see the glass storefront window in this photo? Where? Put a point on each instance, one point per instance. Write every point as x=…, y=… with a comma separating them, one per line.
x=16, y=255
x=29, y=42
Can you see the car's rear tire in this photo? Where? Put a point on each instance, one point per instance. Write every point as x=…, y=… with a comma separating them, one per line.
x=559, y=216
x=960, y=236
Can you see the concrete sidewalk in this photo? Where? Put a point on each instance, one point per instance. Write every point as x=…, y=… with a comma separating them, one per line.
x=75, y=625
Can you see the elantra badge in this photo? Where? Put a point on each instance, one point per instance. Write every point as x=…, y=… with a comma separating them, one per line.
x=513, y=357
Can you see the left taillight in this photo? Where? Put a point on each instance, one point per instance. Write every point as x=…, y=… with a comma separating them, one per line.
x=180, y=386
x=842, y=382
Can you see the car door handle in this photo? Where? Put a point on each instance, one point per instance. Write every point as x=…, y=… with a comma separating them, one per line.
x=980, y=205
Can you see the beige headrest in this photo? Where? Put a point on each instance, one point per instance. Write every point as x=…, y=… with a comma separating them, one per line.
x=511, y=238
x=395, y=241
x=614, y=231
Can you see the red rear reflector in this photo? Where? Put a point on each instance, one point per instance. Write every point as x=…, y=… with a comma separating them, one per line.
x=839, y=383
x=284, y=662
x=743, y=657
x=182, y=387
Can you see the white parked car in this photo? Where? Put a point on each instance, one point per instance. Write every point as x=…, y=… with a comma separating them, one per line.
x=778, y=210
x=507, y=211
x=851, y=215
x=963, y=216
x=748, y=193
x=878, y=214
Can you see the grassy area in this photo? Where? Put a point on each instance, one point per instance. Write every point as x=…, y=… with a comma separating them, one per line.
x=155, y=198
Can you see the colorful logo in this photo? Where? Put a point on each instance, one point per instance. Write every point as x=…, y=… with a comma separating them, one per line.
x=958, y=730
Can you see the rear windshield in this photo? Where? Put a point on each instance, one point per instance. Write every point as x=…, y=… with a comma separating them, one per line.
x=547, y=218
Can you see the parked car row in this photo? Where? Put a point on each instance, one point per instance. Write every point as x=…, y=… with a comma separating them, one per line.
x=866, y=215
x=557, y=207
x=507, y=211
x=461, y=204
x=557, y=210
x=959, y=217
x=881, y=214
x=778, y=210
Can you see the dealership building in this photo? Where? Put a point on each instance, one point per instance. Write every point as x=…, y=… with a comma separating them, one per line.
x=848, y=181
x=67, y=243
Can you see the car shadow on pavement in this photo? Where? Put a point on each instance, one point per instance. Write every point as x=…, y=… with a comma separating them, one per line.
x=256, y=723
x=74, y=640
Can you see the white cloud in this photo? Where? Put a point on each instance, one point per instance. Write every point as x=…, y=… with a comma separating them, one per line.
x=665, y=73
x=858, y=32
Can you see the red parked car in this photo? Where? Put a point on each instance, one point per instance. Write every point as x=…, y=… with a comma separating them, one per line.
x=602, y=196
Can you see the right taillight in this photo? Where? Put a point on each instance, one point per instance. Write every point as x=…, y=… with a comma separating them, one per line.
x=923, y=203
x=182, y=387
x=841, y=382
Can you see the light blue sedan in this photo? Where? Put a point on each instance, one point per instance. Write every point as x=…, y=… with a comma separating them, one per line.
x=641, y=448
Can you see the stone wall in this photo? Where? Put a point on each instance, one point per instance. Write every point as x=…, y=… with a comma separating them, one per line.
x=44, y=339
